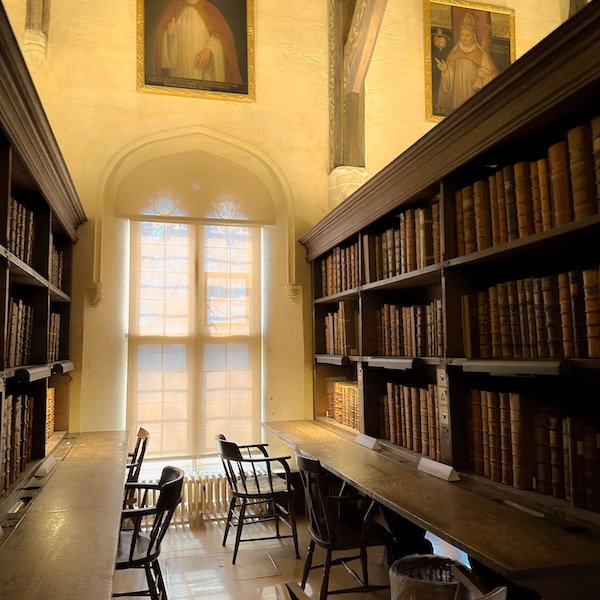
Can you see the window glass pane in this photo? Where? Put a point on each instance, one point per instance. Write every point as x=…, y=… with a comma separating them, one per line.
x=162, y=396
x=164, y=266
x=227, y=392
x=228, y=281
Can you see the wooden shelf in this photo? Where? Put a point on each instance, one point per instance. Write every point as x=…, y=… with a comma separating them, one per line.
x=444, y=309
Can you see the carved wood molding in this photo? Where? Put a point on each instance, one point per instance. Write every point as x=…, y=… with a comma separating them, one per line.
x=26, y=125
x=550, y=82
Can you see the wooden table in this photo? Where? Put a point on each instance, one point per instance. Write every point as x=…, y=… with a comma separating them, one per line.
x=65, y=546
x=535, y=552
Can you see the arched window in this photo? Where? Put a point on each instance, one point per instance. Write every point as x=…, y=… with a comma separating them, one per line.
x=194, y=341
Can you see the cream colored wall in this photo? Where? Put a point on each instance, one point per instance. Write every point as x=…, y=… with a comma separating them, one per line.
x=87, y=85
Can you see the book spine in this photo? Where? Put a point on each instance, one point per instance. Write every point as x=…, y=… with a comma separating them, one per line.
x=552, y=315
x=493, y=405
x=501, y=200
x=566, y=315
x=580, y=345
x=536, y=200
x=483, y=222
x=555, y=441
x=595, y=128
x=435, y=232
x=592, y=311
x=542, y=453
x=510, y=200
x=476, y=459
x=485, y=434
x=494, y=214
x=545, y=194
x=523, y=199
x=558, y=163
x=515, y=325
x=469, y=219
x=520, y=426
x=505, y=440
x=581, y=169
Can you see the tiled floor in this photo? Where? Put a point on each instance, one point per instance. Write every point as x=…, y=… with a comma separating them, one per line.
x=196, y=565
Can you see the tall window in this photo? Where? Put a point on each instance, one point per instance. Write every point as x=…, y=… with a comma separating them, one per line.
x=194, y=335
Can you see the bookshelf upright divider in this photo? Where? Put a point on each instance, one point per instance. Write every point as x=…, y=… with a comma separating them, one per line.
x=476, y=314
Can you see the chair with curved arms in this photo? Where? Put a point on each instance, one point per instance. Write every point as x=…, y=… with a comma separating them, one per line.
x=139, y=547
x=339, y=522
x=258, y=493
x=469, y=586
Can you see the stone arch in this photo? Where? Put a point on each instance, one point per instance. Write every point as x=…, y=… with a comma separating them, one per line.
x=259, y=171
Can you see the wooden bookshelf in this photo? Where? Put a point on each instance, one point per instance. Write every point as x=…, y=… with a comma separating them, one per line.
x=508, y=127
x=39, y=214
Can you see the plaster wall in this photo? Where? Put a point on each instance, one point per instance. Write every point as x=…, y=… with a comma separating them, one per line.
x=87, y=84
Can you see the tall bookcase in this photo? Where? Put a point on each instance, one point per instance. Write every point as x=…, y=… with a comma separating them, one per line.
x=39, y=214
x=445, y=293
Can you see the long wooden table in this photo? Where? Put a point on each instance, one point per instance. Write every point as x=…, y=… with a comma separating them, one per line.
x=65, y=546
x=539, y=553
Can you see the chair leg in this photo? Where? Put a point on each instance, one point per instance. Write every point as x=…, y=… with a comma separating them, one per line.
x=325, y=582
x=238, y=533
x=162, y=590
x=292, y=514
x=307, y=563
x=364, y=563
x=151, y=583
x=229, y=517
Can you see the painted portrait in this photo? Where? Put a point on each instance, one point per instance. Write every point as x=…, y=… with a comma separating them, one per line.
x=466, y=46
x=199, y=48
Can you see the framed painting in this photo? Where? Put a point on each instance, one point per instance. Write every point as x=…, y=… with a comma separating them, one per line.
x=198, y=48
x=466, y=46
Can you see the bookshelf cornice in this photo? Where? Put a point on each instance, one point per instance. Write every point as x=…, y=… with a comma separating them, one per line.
x=26, y=125
x=550, y=81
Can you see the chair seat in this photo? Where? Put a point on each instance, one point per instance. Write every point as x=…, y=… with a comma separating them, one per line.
x=346, y=536
x=265, y=485
x=141, y=548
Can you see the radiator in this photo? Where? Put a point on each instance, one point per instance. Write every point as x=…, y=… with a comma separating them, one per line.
x=204, y=496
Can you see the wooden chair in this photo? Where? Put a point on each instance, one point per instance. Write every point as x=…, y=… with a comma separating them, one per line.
x=136, y=458
x=258, y=493
x=339, y=522
x=469, y=587
x=139, y=547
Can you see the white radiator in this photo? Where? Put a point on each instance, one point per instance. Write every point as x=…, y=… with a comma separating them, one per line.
x=205, y=496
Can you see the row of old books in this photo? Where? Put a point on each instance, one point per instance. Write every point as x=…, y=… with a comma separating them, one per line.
x=561, y=458
x=413, y=245
x=15, y=437
x=56, y=266
x=410, y=330
x=341, y=328
x=20, y=231
x=54, y=337
x=340, y=270
x=50, y=411
x=530, y=197
x=556, y=316
x=409, y=417
x=343, y=402
x=20, y=329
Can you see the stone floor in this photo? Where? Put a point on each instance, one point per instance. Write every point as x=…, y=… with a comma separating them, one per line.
x=196, y=565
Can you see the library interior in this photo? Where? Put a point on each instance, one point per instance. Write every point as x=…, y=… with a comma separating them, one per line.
x=300, y=299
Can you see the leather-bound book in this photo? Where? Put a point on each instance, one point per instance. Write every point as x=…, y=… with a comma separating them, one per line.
x=524, y=199
x=510, y=200
x=581, y=168
x=592, y=311
x=558, y=163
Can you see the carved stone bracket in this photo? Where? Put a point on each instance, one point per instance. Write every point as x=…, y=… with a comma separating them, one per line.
x=343, y=181
x=94, y=294
x=294, y=292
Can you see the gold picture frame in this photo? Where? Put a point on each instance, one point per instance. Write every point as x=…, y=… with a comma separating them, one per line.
x=466, y=45
x=196, y=48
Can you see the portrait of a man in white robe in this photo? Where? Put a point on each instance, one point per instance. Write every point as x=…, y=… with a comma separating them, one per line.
x=196, y=44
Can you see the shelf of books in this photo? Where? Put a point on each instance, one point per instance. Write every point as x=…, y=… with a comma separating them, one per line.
x=39, y=213
x=456, y=294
